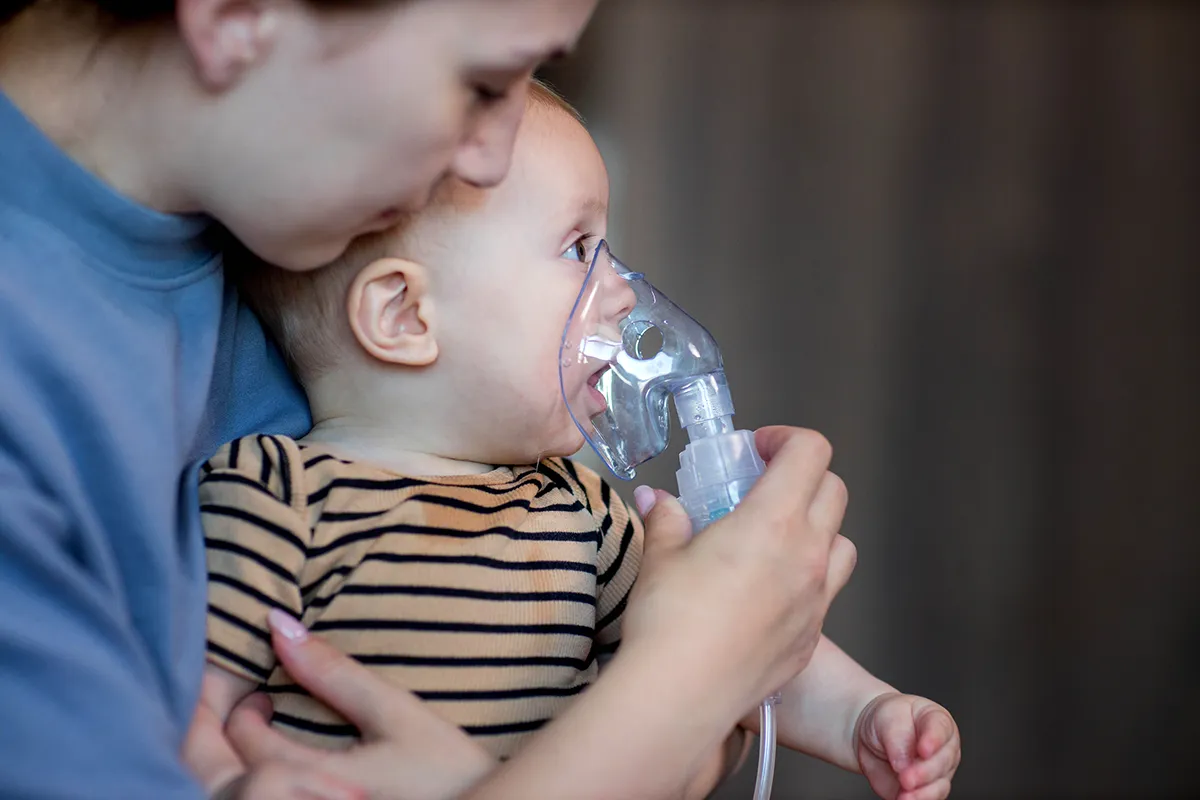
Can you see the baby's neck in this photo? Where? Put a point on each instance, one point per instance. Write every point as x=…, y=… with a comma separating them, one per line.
x=366, y=440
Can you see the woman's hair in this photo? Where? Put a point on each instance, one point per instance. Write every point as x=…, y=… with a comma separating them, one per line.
x=125, y=10
x=143, y=10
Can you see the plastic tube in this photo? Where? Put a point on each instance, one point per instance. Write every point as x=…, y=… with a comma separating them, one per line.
x=766, y=750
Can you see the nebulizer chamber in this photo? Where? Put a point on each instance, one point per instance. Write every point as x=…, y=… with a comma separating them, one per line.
x=626, y=350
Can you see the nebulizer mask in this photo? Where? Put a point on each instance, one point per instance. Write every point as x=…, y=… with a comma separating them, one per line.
x=627, y=350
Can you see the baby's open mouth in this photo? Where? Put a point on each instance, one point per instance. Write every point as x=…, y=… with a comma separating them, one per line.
x=598, y=402
x=597, y=375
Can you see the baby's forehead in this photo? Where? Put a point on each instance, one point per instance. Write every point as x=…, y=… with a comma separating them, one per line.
x=553, y=160
x=555, y=170
x=548, y=121
x=553, y=143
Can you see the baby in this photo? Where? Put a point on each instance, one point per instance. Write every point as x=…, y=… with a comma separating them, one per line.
x=430, y=524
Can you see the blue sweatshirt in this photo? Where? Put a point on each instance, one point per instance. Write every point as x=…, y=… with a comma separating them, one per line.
x=125, y=361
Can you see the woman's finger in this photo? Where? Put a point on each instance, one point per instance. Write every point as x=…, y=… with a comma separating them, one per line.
x=381, y=710
x=257, y=703
x=278, y=781
x=207, y=750
x=797, y=462
x=667, y=528
x=333, y=677
x=843, y=557
x=257, y=742
x=828, y=507
x=772, y=439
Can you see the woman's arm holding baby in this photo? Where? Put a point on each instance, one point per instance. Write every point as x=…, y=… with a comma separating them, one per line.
x=211, y=757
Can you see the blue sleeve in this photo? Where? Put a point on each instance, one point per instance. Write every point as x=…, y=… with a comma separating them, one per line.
x=252, y=390
x=79, y=718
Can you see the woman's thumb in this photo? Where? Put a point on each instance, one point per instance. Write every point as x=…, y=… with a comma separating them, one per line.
x=667, y=524
x=256, y=742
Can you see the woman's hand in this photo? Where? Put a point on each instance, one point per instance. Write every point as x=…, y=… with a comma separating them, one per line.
x=713, y=627
x=281, y=781
x=748, y=597
x=407, y=752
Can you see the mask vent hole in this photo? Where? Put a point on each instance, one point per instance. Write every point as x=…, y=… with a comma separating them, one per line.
x=643, y=340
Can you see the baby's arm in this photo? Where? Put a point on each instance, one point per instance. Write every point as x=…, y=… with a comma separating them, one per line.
x=821, y=706
x=907, y=747
x=818, y=715
x=207, y=751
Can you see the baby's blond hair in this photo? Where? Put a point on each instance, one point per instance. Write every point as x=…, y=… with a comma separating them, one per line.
x=305, y=311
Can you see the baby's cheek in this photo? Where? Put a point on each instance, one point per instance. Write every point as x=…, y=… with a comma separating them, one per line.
x=554, y=428
x=538, y=396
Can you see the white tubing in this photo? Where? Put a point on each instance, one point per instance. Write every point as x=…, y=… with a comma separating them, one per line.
x=766, y=750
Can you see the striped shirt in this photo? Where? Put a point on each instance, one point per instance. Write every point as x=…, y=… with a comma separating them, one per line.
x=494, y=597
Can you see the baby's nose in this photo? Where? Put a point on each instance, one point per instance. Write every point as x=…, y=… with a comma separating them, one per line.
x=623, y=299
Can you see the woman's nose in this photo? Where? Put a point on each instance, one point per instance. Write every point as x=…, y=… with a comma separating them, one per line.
x=485, y=154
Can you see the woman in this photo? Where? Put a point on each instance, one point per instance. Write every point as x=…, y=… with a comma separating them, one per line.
x=125, y=127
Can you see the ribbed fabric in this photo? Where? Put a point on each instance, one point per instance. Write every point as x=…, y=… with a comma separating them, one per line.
x=492, y=596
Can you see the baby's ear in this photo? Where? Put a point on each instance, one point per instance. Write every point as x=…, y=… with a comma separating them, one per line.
x=391, y=312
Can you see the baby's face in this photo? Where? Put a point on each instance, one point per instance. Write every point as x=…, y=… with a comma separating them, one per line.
x=514, y=262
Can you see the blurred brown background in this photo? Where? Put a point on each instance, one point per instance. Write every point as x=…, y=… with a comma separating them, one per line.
x=961, y=240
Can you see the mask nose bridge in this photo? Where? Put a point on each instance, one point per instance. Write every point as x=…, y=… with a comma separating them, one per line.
x=615, y=305
x=617, y=296
x=625, y=298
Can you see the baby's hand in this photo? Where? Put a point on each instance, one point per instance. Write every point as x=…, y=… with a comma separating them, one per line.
x=908, y=747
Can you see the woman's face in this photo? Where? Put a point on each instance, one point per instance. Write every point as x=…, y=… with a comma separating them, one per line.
x=352, y=117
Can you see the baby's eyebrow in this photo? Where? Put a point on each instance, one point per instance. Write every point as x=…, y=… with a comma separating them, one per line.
x=593, y=206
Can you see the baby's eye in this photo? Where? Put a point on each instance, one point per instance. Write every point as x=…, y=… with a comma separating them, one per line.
x=577, y=251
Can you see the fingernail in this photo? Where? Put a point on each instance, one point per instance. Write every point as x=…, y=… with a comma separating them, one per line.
x=644, y=498
x=287, y=625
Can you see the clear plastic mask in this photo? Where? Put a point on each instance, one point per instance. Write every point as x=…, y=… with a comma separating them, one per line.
x=626, y=349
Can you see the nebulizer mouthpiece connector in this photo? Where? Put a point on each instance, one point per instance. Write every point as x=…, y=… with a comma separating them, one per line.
x=704, y=405
x=626, y=350
x=719, y=464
